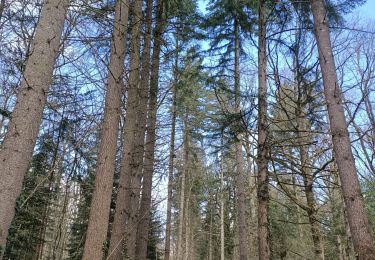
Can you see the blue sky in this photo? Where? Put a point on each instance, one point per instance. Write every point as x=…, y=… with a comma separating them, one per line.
x=368, y=9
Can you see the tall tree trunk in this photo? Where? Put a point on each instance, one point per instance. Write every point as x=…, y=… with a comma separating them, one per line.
x=132, y=195
x=144, y=211
x=101, y=198
x=222, y=203
x=167, y=249
x=168, y=227
x=128, y=183
x=339, y=217
x=184, y=173
x=17, y=147
x=262, y=161
x=140, y=208
x=240, y=178
x=358, y=221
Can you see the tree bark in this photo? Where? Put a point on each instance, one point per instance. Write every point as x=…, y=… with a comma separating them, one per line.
x=140, y=208
x=17, y=147
x=240, y=178
x=222, y=203
x=101, y=198
x=252, y=214
x=262, y=161
x=144, y=211
x=125, y=214
x=168, y=227
x=358, y=221
x=184, y=173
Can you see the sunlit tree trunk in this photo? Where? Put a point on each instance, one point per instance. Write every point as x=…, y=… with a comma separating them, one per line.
x=358, y=221
x=144, y=211
x=17, y=147
x=124, y=224
x=168, y=227
x=184, y=173
x=101, y=200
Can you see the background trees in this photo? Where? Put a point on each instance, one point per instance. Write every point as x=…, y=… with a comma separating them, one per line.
x=164, y=125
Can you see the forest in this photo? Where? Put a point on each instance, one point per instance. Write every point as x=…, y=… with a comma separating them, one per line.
x=187, y=129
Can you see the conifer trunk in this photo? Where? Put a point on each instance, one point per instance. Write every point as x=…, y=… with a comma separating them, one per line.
x=262, y=161
x=240, y=178
x=358, y=221
x=168, y=228
x=101, y=200
x=184, y=173
x=140, y=208
x=144, y=211
x=124, y=219
x=17, y=147
x=222, y=203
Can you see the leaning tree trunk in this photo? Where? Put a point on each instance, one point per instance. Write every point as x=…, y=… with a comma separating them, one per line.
x=101, y=200
x=127, y=182
x=17, y=147
x=240, y=178
x=263, y=192
x=144, y=211
x=358, y=221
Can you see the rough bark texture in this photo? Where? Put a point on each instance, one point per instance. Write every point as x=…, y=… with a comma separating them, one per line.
x=263, y=192
x=184, y=173
x=101, y=200
x=240, y=178
x=144, y=211
x=168, y=227
x=358, y=221
x=132, y=195
x=17, y=147
x=128, y=183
